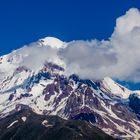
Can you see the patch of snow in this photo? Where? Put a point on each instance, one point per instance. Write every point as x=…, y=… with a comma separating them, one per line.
x=45, y=123
x=24, y=118
x=12, y=124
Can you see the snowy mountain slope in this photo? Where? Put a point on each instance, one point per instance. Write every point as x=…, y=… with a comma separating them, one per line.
x=116, y=88
x=53, y=42
x=35, y=76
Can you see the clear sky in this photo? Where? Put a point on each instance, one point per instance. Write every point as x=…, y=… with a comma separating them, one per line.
x=25, y=21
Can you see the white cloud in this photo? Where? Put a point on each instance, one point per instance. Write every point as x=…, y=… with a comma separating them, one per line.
x=88, y=59
x=118, y=57
x=34, y=56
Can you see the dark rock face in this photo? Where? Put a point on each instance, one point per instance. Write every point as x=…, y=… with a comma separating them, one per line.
x=26, y=95
x=89, y=117
x=41, y=127
x=134, y=103
x=52, y=67
x=11, y=97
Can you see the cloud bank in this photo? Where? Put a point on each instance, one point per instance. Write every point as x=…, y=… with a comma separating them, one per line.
x=118, y=57
x=34, y=55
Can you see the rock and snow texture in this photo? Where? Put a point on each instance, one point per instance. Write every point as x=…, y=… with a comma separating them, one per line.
x=50, y=93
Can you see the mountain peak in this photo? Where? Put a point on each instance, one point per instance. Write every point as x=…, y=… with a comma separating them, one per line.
x=116, y=88
x=53, y=42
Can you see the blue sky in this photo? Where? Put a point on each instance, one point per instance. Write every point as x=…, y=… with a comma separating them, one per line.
x=25, y=21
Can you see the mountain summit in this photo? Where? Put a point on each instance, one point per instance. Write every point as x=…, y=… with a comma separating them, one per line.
x=52, y=42
x=34, y=78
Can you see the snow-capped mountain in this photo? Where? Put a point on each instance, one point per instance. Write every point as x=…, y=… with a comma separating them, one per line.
x=35, y=77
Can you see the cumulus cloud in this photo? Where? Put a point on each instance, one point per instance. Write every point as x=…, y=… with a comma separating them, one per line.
x=34, y=55
x=118, y=57
x=86, y=58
